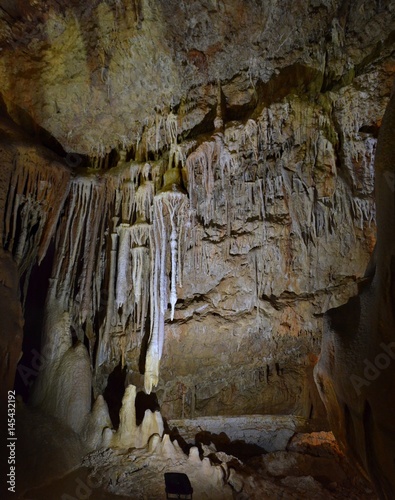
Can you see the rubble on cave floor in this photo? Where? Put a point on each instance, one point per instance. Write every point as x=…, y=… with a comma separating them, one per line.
x=310, y=467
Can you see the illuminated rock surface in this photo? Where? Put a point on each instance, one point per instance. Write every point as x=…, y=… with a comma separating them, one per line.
x=187, y=188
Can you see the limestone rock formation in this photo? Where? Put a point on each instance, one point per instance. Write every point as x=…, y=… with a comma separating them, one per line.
x=187, y=188
x=356, y=372
x=311, y=467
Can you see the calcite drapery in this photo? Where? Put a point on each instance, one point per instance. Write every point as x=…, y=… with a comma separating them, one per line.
x=267, y=187
x=111, y=261
x=127, y=231
x=169, y=217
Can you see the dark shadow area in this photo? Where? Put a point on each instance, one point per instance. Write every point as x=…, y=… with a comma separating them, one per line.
x=377, y=476
x=222, y=442
x=296, y=78
x=80, y=483
x=32, y=359
x=113, y=393
x=178, y=485
x=25, y=122
x=145, y=402
x=144, y=343
x=345, y=319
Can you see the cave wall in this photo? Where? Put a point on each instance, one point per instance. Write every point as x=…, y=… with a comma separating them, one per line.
x=281, y=229
x=356, y=372
x=267, y=126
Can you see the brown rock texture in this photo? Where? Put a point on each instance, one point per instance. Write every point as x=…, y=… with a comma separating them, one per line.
x=356, y=371
x=275, y=141
x=12, y=325
x=319, y=472
x=199, y=179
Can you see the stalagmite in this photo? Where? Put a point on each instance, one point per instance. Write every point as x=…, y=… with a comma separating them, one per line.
x=126, y=435
x=197, y=221
x=129, y=434
x=97, y=421
x=63, y=387
x=152, y=424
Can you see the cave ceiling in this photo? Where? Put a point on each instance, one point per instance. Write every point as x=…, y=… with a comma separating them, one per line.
x=98, y=76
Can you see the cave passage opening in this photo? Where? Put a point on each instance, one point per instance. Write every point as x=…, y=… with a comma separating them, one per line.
x=33, y=359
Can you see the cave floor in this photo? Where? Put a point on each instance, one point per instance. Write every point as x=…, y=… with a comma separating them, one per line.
x=312, y=467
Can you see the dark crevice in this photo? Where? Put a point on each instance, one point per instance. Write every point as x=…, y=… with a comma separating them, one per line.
x=114, y=392
x=342, y=170
x=382, y=484
x=349, y=428
x=145, y=402
x=238, y=448
x=144, y=343
x=204, y=127
x=344, y=320
x=32, y=359
x=372, y=130
x=296, y=79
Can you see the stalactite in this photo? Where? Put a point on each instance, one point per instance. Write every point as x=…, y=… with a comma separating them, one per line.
x=36, y=195
x=77, y=242
x=170, y=208
x=81, y=190
x=141, y=273
x=250, y=136
x=200, y=162
x=364, y=211
x=150, y=138
x=154, y=351
x=159, y=122
x=29, y=217
x=145, y=194
x=171, y=128
x=89, y=252
x=104, y=338
x=124, y=281
x=223, y=157
x=251, y=191
x=127, y=200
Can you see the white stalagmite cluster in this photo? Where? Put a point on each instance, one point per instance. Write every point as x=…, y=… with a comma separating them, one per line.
x=129, y=434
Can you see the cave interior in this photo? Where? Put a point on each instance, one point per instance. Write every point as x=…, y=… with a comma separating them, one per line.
x=198, y=248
